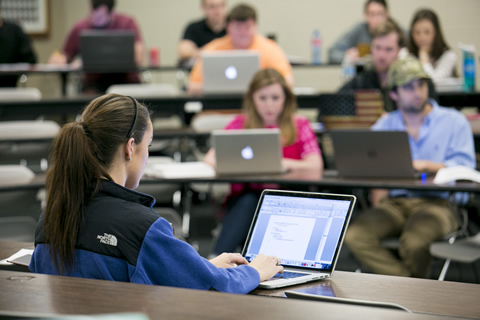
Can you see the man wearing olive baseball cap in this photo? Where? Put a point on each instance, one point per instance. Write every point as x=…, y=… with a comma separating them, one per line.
x=439, y=137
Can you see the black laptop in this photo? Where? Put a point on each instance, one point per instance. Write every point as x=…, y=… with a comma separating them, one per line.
x=372, y=154
x=108, y=51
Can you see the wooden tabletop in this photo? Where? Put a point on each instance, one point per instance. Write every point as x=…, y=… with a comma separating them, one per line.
x=419, y=295
x=60, y=295
x=44, y=294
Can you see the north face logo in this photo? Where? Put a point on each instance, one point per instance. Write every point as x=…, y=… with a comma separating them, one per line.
x=109, y=239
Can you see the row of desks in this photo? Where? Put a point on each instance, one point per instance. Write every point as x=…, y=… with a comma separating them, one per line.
x=70, y=107
x=44, y=294
x=312, y=178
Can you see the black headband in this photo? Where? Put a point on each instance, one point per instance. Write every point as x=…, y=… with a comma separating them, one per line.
x=135, y=119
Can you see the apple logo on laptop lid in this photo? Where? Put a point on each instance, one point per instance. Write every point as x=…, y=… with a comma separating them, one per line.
x=231, y=73
x=247, y=153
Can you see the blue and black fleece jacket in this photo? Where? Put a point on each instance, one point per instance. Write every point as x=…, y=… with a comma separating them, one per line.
x=123, y=239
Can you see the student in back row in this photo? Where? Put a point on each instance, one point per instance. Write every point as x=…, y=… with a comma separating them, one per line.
x=347, y=47
x=15, y=47
x=268, y=103
x=387, y=42
x=199, y=33
x=96, y=226
x=428, y=45
x=242, y=35
x=102, y=17
x=439, y=137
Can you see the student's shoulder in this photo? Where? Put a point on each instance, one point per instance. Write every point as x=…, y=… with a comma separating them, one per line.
x=452, y=114
x=196, y=24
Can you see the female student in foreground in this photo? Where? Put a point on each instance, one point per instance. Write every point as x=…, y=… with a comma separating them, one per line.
x=428, y=45
x=96, y=226
x=269, y=103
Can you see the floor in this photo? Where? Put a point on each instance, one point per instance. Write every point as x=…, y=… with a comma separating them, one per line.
x=204, y=221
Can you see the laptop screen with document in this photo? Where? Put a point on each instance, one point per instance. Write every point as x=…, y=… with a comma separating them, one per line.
x=304, y=229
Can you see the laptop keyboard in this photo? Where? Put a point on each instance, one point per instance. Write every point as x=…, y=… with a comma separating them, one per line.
x=289, y=275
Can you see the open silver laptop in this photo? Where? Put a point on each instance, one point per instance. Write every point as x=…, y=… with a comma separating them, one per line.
x=107, y=51
x=247, y=151
x=229, y=72
x=304, y=229
x=372, y=154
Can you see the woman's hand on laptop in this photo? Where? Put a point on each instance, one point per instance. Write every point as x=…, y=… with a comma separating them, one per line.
x=228, y=260
x=267, y=266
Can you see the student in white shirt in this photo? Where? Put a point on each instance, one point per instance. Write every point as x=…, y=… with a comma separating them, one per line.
x=427, y=43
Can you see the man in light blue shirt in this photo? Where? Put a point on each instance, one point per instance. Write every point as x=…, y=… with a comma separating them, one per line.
x=439, y=137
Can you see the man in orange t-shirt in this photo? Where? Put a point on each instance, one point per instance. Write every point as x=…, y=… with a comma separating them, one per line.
x=242, y=35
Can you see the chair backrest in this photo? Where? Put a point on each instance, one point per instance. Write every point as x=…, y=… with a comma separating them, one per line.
x=206, y=122
x=163, y=193
x=21, y=142
x=15, y=175
x=28, y=130
x=20, y=94
x=20, y=209
x=144, y=90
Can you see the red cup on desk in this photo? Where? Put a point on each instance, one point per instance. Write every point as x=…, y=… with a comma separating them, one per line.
x=154, y=57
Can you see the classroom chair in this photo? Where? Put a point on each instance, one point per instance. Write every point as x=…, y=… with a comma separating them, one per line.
x=27, y=142
x=20, y=94
x=20, y=208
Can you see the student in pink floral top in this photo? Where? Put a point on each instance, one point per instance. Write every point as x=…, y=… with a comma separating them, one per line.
x=268, y=103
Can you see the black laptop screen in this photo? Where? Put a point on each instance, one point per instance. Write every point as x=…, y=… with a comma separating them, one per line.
x=302, y=231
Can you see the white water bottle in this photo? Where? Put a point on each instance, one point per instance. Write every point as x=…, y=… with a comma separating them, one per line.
x=348, y=69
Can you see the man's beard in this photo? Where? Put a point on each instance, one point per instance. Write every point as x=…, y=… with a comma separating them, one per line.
x=415, y=110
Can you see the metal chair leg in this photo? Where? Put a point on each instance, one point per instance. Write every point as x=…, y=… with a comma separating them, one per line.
x=444, y=271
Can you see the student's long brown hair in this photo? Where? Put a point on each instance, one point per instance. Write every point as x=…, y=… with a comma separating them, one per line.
x=285, y=122
x=82, y=154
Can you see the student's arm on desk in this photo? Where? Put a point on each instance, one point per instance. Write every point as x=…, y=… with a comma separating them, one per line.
x=228, y=260
x=194, y=88
x=266, y=266
x=210, y=158
x=187, y=49
x=427, y=166
x=310, y=162
x=57, y=58
x=139, y=52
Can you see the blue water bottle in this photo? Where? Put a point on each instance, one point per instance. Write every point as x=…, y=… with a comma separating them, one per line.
x=469, y=70
x=316, y=47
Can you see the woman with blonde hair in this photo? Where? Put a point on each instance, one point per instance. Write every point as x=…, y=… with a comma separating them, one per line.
x=96, y=226
x=268, y=103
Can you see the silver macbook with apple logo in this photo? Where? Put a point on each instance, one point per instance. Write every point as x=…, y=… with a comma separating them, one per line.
x=229, y=72
x=247, y=151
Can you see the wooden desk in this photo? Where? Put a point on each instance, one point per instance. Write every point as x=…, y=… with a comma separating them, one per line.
x=44, y=294
x=419, y=295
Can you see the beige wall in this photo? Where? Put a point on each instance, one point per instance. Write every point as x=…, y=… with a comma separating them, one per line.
x=162, y=23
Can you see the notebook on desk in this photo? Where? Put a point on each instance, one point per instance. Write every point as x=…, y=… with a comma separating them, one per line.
x=108, y=51
x=229, y=72
x=372, y=154
x=247, y=151
x=304, y=229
